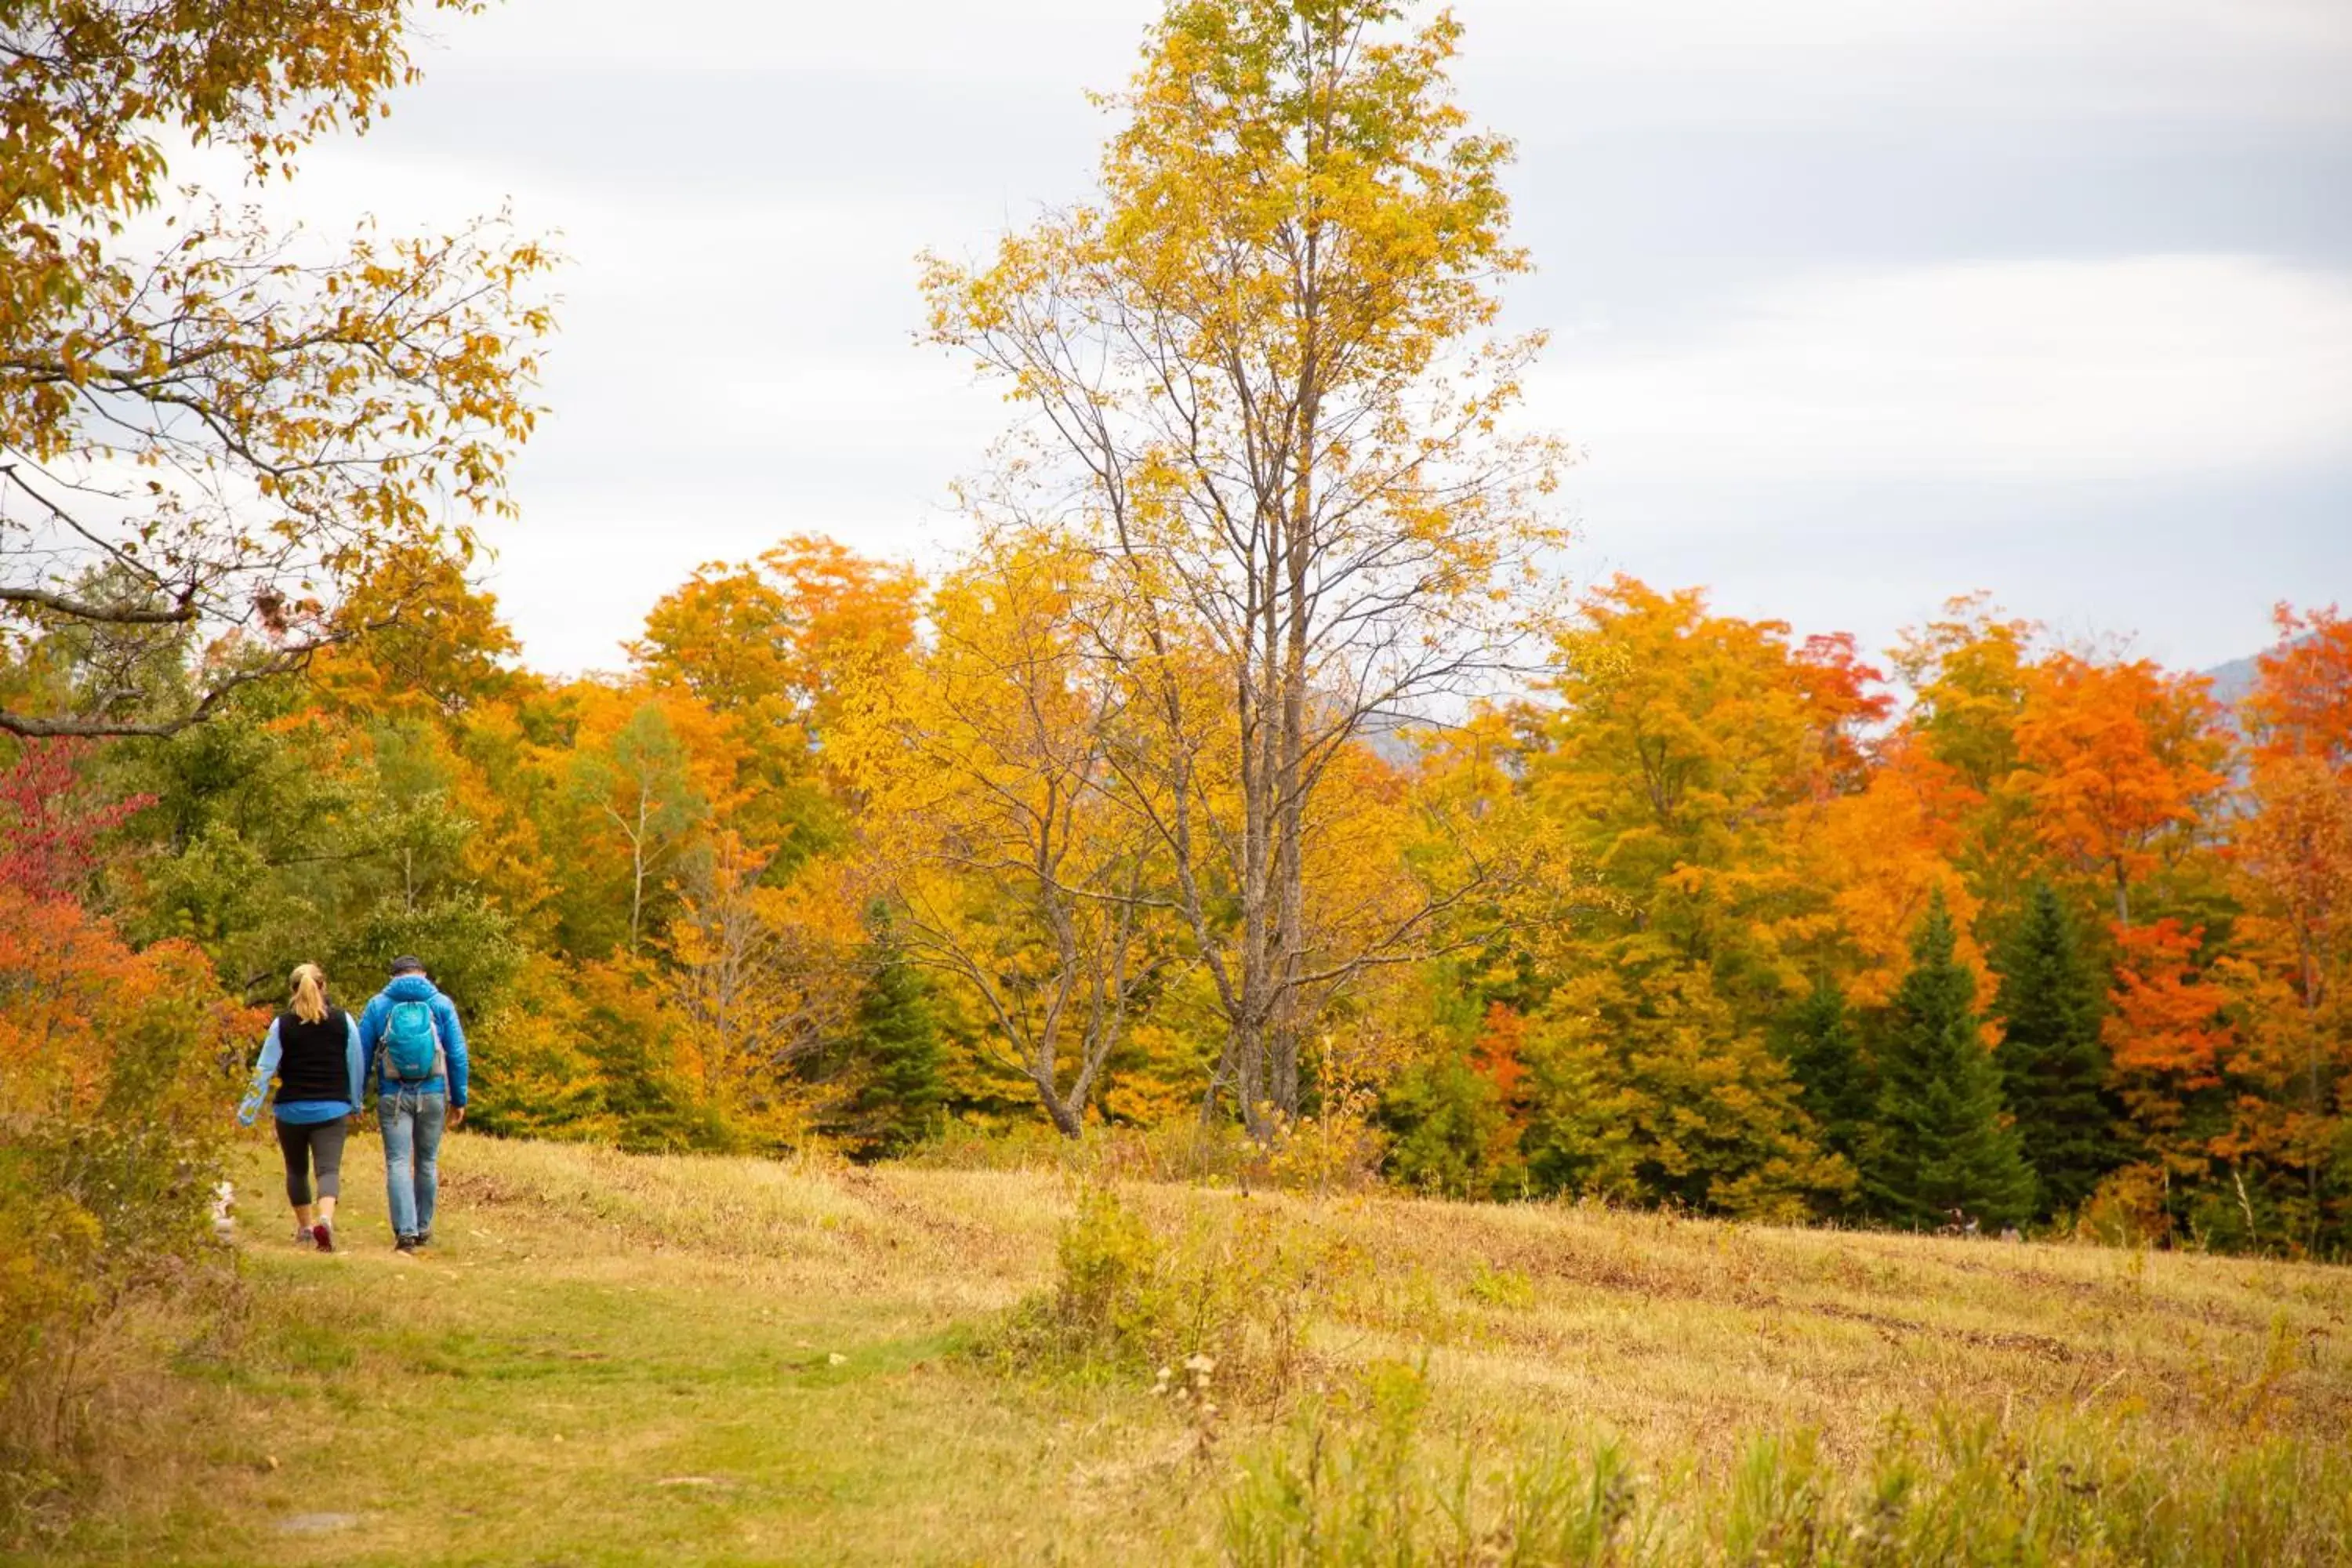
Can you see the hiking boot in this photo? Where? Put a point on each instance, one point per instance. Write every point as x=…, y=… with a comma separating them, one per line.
x=301, y=1236
x=323, y=1233
x=405, y=1247
x=423, y=1239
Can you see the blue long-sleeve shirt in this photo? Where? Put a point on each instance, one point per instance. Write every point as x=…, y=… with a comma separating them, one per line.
x=303, y=1112
x=416, y=988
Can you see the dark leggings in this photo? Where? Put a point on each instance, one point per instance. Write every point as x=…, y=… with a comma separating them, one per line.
x=321, y=1143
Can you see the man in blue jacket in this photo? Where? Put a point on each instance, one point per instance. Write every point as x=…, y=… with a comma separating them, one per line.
x=417, y=1060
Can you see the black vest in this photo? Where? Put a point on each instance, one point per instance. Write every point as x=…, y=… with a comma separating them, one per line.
x=314, y=1062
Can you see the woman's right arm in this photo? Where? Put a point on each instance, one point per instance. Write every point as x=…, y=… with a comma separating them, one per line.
x=263, y=1071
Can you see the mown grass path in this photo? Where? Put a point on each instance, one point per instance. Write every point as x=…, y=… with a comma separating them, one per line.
x=620, y=1361
x=560, y=1382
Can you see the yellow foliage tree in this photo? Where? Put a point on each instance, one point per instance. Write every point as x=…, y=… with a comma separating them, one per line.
x=1268, y=398
x=1019, y=865
x=770, y=646
x=763, y=978
x=1687, y=752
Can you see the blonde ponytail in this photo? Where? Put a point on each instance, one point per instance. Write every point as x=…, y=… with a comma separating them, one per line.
x=310, y=993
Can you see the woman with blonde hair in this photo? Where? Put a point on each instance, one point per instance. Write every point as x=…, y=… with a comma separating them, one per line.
x=313, y=1051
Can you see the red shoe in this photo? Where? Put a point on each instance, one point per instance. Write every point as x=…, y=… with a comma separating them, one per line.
x=324, y=1234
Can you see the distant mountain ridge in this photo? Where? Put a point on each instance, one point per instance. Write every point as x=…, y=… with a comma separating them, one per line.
x=2233, y=681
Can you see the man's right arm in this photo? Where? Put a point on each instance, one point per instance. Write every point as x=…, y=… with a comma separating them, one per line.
x=371, y=1026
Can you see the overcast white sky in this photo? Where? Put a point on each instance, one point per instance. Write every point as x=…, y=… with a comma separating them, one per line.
x=1855, y=305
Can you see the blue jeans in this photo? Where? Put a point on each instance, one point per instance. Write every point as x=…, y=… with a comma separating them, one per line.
x=412, y=1156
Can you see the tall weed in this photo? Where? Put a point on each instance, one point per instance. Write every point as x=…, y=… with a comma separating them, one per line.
x=1235, y=1288
x=1361, y=1481
x=1354, y=1483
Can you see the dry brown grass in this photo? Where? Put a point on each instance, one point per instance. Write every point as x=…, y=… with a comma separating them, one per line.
x=675, y=1320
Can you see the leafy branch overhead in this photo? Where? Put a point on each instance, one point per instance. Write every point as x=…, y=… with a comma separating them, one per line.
x=211, y=430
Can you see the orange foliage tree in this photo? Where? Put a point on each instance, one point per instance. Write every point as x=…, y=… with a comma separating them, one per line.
x=773, y=648
x=115, y=1070
x=2167, y=1035
x=2118, y=762
x=1882, y=854
x=2302, y=701
x=2291, y=968
x=1969, y=672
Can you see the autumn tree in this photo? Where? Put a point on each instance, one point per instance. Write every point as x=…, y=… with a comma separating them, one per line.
x=763, y=978
x=2301, y=703
x=632, y=778
x=2053, y=1064
x=1687, y=754
x=2167, y=1033
x=784, y=635
x=1969, y=672
x=441, y=649
x=2290, y=1060
x=1267, y=394
x=206, y=439
x=112, y=1089
x=50, y=825
x=2117, y=760
x=592, y=1052
x=1938, y=1143
x=773, y=646
x=1643, y=1086
x=1686, y=757
x=1012, y=860
x=1879, y=856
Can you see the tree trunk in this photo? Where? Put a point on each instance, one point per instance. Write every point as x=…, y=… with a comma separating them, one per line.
x=638, y=876
x=1249, y=1077
x=1067, y=1121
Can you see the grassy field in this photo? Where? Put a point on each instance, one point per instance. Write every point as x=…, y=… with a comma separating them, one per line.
x=615, y=1360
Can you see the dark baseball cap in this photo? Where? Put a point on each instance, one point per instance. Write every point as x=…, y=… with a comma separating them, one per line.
x=408, y=963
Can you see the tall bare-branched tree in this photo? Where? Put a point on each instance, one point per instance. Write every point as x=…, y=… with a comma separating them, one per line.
x=1265, y=388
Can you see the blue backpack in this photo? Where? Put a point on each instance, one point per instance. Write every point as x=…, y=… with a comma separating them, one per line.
x=410, y=1045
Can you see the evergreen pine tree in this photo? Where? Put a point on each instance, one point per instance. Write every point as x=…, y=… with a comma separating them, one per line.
x=893, y=1048
x=1939, y=1145
x=2053, y=1065
x=1816, y=1039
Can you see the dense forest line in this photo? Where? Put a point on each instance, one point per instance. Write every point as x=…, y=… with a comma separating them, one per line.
x=1709, y=918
